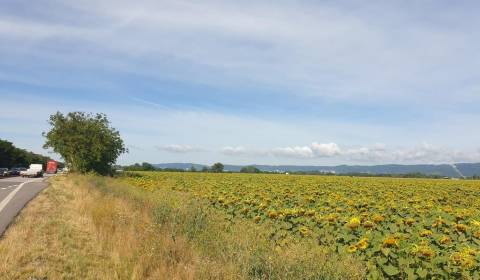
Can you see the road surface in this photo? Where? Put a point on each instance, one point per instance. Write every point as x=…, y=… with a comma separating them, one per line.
x=15, y=193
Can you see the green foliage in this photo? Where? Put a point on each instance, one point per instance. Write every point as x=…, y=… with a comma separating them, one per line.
x=11, y=156
x=85, y=141
x=217, y=167
x=145, y=166
x=249, y=169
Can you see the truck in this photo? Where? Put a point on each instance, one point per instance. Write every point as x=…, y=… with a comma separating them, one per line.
x=35, y=170
x=52, y=167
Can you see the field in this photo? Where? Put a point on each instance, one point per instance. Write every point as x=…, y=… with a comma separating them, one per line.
x=398, y=228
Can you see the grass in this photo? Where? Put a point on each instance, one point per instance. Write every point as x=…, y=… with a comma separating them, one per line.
x=88, y=227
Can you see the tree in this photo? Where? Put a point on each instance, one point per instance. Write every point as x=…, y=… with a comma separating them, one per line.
x=145, y=166
x=205, y=169
x=86, y=142
x=249, y=169
x=217, y=167
x=11, y=156
x=193, y=169
x=148, y=167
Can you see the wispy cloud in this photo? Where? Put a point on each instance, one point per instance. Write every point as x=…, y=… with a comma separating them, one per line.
x=321, y=49
x=233, y=151
x=377, y=153
x=175, y=148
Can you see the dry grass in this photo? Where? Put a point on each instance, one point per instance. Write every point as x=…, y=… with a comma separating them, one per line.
x=87, y=227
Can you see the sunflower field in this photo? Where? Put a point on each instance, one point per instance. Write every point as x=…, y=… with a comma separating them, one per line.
x=400, y=228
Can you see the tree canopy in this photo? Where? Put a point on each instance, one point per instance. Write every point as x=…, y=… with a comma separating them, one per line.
x=145, y=166
x=85, y=141
x=217, y=167
x=249, y=169
x=11, y=156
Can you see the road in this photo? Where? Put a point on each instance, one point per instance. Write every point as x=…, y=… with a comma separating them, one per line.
x=15, y=193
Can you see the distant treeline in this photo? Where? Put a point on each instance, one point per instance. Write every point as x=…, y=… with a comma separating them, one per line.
x=11, y=156
x=218, y=167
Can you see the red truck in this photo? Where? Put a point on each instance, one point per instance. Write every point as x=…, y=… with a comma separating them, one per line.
x=52, y=167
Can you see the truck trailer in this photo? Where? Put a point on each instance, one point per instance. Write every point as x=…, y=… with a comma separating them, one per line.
x=52, y=167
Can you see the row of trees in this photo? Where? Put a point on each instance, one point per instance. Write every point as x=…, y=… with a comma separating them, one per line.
x=11, y=156
x=145, y=166
x=215, y=168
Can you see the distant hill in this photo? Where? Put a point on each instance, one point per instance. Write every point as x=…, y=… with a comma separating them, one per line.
x=447, y=170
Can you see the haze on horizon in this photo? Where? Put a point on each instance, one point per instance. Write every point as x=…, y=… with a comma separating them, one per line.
x=241, y=82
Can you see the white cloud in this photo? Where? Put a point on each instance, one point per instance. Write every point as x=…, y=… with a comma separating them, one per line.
x=233, y=151
x=315, y=150
x=295, y=152
x=175, y=148
x=325, y=150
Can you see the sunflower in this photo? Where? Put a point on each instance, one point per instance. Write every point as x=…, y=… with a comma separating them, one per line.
x=352, y=249
x=272, y=214
x=445, y=240
x=363, y=243
x=439, y=222
x=409, y=221
x=304, y=231
x=354, y=223
x=378, y=219
x=426, y=252
x=390, y=241
x=368, y=224
x=462, y=259
x=426, y=233
x=460, y=228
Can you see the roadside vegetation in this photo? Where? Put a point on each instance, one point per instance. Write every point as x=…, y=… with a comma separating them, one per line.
x=11, y=156
x=91, y=227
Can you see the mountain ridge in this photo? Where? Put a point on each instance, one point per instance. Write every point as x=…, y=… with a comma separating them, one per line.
x=447, y=170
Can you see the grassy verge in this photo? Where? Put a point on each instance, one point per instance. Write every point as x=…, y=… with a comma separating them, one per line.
x=87, y=227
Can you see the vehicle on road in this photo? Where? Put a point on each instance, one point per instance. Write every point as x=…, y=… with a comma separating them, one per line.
x=4, y=172
x=35, y=170
x=16, y=171
x=52, y=167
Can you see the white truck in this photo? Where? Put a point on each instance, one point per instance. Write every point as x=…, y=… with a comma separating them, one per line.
x=35, y=170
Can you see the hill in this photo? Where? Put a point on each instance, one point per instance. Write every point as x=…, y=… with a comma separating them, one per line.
x=447, y=170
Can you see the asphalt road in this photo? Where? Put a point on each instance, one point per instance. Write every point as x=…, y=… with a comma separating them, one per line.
x=15, y=193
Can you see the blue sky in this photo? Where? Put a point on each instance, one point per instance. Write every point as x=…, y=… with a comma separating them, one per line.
x=271, y=82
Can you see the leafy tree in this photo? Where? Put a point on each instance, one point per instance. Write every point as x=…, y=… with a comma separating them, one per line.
x=249, y=169
x=86, y=142
x=148, y=167
x=145, y=166
x=205, y=169
x=11, y=156
x=217, y=167
x=193, y=169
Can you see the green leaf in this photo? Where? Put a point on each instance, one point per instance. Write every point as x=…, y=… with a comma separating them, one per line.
x=410, y=273
x=390, y=270
x=422, y=273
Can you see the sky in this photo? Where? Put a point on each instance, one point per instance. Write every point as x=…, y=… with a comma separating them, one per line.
x=244, y=82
